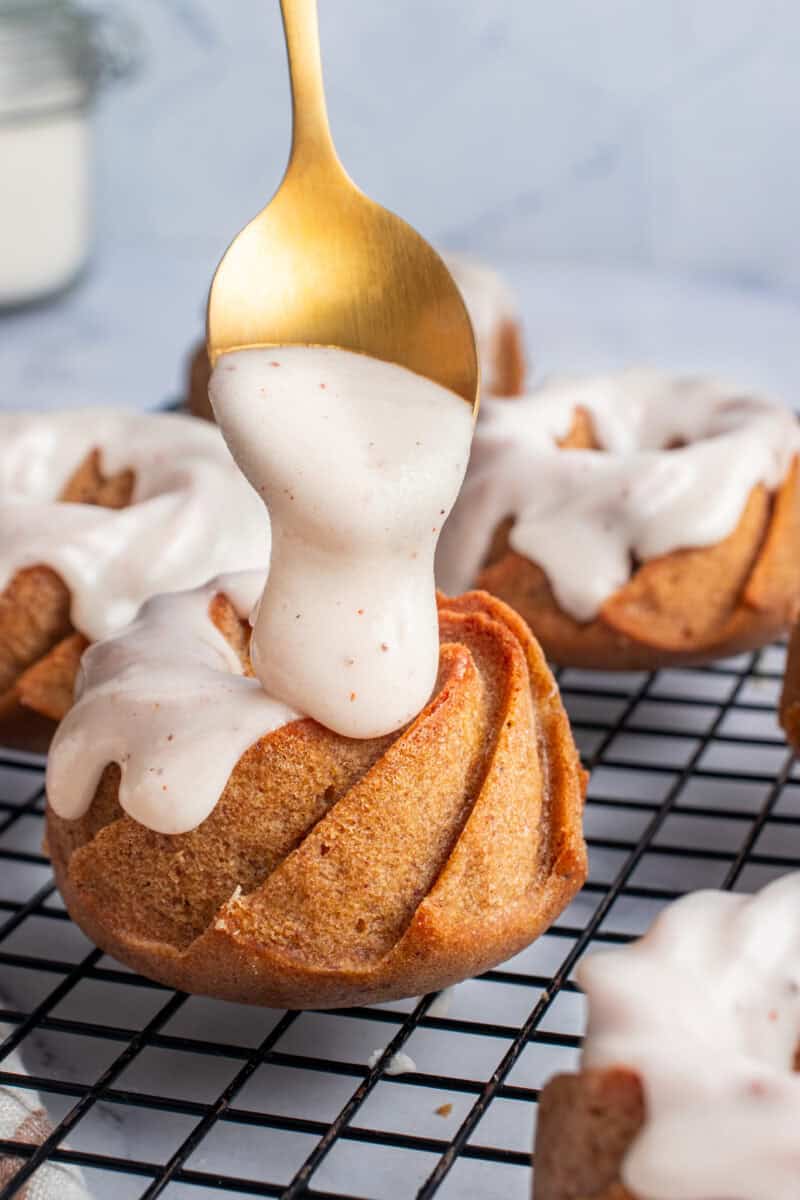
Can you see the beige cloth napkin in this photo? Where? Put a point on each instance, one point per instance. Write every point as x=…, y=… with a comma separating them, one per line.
x=23, y=1118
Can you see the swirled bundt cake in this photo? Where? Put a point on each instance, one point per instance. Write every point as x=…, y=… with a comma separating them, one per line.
x=312, y=869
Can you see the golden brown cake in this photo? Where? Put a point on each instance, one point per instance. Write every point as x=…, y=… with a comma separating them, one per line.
x=336, y=871
x=585, y=1127
x=703, y=597
x=89, y=502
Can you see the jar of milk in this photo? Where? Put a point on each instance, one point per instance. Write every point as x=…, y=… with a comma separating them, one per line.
x=52, y=56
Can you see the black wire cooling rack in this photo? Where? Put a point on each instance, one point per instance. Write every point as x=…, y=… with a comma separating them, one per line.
x=154, y=1093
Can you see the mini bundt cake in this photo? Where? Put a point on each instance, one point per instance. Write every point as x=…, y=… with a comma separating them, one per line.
x=302, y=868
x=688, y=1086
x=100, y=509
x=634, y=520
x=495, y=320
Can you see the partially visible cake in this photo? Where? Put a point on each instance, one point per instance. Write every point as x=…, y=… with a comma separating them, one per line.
x=635, y=520
x=495, y=317
x=688, y=1086
x=99, y=509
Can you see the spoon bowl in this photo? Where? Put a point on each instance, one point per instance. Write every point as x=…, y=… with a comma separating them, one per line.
x=324, y=265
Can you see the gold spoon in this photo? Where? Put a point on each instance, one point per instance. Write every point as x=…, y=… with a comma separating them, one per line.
x=324, y=265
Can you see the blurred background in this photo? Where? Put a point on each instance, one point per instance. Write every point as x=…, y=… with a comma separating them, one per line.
x=633, y=168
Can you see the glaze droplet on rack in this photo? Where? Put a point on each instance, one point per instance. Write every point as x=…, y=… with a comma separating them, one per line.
x=359, y=463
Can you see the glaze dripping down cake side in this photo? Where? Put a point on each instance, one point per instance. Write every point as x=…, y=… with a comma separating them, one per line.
x=635, y=520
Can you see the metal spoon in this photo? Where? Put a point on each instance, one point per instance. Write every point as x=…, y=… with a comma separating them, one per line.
x=324, y=265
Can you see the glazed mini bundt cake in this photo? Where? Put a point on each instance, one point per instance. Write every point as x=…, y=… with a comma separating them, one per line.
x=495, y=319
x=688, y=1086
x=634, y=520
x=209, y=840
x=100, y=509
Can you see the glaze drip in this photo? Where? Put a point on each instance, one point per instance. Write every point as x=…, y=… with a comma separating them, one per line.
x=167, y=700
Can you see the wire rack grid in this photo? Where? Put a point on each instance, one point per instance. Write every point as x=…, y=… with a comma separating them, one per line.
x=154, y=1093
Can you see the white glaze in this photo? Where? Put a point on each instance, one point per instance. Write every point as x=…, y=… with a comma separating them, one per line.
x=582, y=514
x=165, y=699
x=359, y=462
x=399, y=1064
x=490, y=304
x=705, y=1009
x=192, y=516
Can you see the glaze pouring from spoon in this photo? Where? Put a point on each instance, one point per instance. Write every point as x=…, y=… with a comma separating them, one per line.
x=358, y=451
x=359, y=463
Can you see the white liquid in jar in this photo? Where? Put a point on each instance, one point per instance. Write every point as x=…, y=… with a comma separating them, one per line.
x=44, y=202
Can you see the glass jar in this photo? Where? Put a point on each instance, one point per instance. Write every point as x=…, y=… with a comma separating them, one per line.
x=52, y=57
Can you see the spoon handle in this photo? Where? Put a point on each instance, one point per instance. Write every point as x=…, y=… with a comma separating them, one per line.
x=311, y=136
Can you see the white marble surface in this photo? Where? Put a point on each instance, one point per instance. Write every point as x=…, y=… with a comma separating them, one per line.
x=662, y=133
